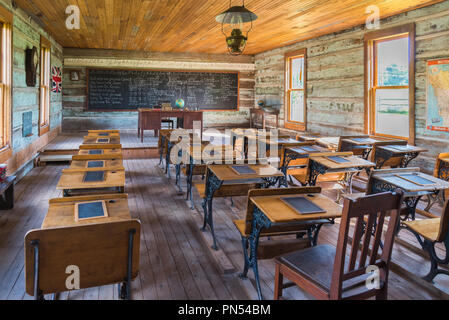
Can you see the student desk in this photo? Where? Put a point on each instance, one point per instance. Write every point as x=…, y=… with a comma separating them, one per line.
x=247, y=134
x=71, y=181
x=271, y=211
x=295, y=153
x=322, y=165
x=388, y=180
x=328, y=142
x=219, y=175
x=106, y=250
x=96, y=140
x=359, y=143
x=103, y=151
x=103, y=131
x=384, y=153
x=99, y=162
x=198, y=157
x=61, y=210
x=305, y=137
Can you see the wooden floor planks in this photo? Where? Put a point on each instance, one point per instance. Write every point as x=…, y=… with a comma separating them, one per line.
x=175, y=263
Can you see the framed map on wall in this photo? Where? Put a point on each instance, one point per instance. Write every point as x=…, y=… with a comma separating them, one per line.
x=438, y=95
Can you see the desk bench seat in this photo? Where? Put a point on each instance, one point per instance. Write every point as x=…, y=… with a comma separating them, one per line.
x=230, y=188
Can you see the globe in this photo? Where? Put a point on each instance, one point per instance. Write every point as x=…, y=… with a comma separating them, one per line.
x=261, y=103
x=180, y=103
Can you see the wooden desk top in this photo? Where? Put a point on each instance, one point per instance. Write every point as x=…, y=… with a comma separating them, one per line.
x=100, y=146
x=307, y=138
x=226, y=173
x=73, y=179
x=61, y=211
x=220, y=152
x=354, y=162
x=94, y=140
x=103, y=131
x=362, y=141
x=328, y=142
x=279, y=212
x=110, y=165
x=392, y=149
x=301, y=151
x=103, y=134
x=391, y=176
x=112, y=152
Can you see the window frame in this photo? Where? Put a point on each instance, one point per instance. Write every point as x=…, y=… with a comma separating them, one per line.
x=371, y=78
x=44, y=86
x=6, y=21
x=289, y=57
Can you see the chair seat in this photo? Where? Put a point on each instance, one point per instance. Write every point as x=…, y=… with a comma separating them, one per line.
x=316, y=264
x=275, y=231
x=246, y=183
x=428, y=228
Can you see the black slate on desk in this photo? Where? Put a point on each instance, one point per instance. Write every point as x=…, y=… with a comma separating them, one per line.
x=99, y=151
x=103, y=140
x=103, y=134
x=90, y=210
x=302, y=205
x=243, y=169
x=416, y=179
x=401, y=148
x=337, y=159
x=309, y=149
x=95, y=164
x=94, y=176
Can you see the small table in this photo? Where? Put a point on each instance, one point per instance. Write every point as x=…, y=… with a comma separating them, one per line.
x=408, y=153
x=271, y=211
x=218, y=174
x=322, y=165
x=97, y=140
x=72, y=181
x=264, y=113
x=388, y=180
x=7, y=192
x=105, y=151
x=61, y=211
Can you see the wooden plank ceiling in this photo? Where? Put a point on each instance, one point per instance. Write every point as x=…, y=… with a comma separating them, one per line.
x=190, y=26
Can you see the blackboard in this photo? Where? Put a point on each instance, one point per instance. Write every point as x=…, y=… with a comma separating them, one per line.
x=302, y=205
x=27, y=124
x=93, y=176
x=112, y=89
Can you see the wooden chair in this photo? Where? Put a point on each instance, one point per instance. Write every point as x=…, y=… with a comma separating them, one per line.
x=429, y=233
x=272, y=248
x=104, y=253
x=329, y=273
x=441, y=171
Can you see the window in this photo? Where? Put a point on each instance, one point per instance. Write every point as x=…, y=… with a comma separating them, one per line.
x=5, y=83
x=390, y=83
x=296, y=86
x=44, y=103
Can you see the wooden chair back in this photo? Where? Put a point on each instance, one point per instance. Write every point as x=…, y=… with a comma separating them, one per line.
x=393, y=162
x=444, y=223
x=272, y=192
x=369, y=214
x=100, y=251
x=87, y=157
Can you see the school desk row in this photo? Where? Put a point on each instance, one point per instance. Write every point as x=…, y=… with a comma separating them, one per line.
x=89, y=229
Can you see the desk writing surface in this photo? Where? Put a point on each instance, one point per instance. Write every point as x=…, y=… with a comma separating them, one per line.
x=279, y=212
x=354, y=162
x=116, y=164
x=393, y=149
x=328, y=142
x=115, y=152
x=73, y=179
x=94, y=140
x=392, y=178
x=61, y=211
x=226, y=173
x=361, y=141
x=306, y=150
x=103, y=134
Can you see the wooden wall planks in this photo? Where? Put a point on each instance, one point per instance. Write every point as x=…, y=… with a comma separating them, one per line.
x=335, y=77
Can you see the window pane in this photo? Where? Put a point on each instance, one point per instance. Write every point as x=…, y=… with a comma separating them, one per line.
x=298, y=73
x=392, y=112
x=297, y=106
x=393, y=62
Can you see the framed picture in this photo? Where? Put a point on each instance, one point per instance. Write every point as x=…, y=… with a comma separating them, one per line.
x=74, y=75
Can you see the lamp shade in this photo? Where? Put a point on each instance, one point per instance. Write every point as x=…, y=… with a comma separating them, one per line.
x=236, y=13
